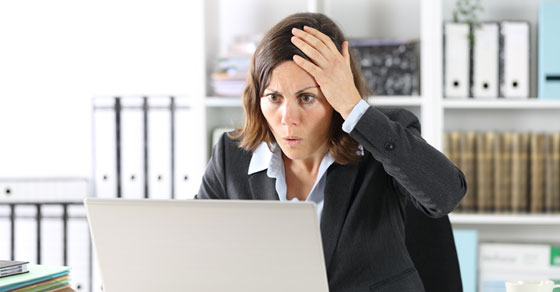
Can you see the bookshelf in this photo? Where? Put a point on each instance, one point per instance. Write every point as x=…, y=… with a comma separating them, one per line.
x=405, y=19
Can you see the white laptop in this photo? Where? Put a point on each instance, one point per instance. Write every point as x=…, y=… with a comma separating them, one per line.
x=207, y=245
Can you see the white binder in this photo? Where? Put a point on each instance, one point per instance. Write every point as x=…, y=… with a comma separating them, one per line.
x=159, y=148
x=485, y=60
x=5, y=246
x=78, y=247
x=104, y=141
x=187, y=148
x=52, y=244
x=514, y=54
x=32, y=189
x=132, y=148
x=26, y=234
x=456, y=74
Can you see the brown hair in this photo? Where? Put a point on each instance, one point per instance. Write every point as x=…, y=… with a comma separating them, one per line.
x=275, y=48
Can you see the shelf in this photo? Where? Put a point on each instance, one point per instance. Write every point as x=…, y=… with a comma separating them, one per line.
x=531, y=103
x=216, y=101
x=413, y=100
x=505, y=219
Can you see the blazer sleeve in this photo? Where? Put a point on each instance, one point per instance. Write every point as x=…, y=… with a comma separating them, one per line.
x=213, y=181
x=434, y=184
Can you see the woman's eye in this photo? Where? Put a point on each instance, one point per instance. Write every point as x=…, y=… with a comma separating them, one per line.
x=273, y=98
x=307, y=98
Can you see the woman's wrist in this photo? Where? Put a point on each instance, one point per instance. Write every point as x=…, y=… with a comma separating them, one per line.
x=348, y=107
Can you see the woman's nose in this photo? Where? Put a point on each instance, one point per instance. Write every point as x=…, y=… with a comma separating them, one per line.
x=290, y=114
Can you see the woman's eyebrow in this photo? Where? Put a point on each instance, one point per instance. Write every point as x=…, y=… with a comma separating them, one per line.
x=272, y=91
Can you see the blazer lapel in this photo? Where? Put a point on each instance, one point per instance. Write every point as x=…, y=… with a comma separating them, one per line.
x=340, y=181
x=262, y=186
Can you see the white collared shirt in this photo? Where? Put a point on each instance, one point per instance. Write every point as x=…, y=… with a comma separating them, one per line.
x=263, y=158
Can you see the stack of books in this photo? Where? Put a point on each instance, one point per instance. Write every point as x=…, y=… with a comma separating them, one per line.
x=230, y=74
x=22, y=277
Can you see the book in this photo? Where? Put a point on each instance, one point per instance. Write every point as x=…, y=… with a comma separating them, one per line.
x=451, y=149
x=537, y=173
x=502, y=174
x=9, y=268
x=499, y=262
x=552, y=174
x=466, y=156
x=484, y=171
x=519, y=172
x=466, y=242
x=39, y=278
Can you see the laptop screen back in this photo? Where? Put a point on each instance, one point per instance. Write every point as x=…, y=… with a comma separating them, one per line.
x=207, y=245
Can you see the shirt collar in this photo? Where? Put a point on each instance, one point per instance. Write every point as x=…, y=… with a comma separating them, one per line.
x=261, y=159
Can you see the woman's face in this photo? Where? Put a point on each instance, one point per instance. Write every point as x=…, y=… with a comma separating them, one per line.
x=297, y=113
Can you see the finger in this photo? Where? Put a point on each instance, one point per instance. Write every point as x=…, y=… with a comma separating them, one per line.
x=323, y=37
x=310, y=51
x=346, y=52
x=312, y=41
x=307, y=66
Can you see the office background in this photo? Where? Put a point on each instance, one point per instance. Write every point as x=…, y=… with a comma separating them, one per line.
x=57, y=58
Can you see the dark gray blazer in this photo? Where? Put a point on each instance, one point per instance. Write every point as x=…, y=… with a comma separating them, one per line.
x=363, y=219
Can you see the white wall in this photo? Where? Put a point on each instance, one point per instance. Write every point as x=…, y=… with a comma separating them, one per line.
x=56, y=55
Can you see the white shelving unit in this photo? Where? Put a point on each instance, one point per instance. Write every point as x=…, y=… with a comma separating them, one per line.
x=406, y=19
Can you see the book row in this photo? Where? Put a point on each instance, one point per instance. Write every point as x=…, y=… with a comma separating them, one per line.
x=507, y=172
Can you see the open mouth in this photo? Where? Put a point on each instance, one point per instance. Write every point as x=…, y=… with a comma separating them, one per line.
x=292, y=141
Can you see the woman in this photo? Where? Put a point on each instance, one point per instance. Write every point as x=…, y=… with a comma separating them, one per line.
x=310, y=136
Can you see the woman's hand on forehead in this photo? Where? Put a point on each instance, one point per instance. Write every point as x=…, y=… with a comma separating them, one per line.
x=330, y=68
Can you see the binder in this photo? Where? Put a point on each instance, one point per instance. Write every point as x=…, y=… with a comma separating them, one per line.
x=78, y=247
x=132, y=147
x=467, y=252
x=105, y=147
x=456, y=60
x=159, y=148
x=47, y=189
x=52, y=245
x=485, y=60
x=187, y=170
x=26, y=234
x=549, y=46
x=5, y=232
x=514, y=59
